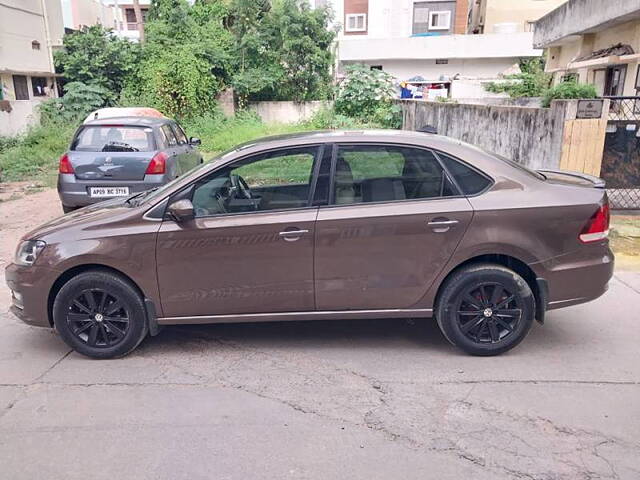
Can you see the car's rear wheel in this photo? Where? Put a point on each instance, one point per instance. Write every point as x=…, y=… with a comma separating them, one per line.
x=100, y=314
x=485, y=309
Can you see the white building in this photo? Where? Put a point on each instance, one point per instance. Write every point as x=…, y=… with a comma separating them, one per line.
x=118, y=15
x=29, y=31
x=435, y=39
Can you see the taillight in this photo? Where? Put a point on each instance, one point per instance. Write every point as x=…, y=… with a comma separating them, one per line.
x=598, y=227
x=158, y=164
x=65, y=164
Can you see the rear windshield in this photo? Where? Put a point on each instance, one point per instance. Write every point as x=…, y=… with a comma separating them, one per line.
x=519, y=166
x=114, y=138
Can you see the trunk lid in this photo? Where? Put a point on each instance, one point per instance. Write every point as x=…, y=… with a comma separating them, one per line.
x=572, y=178
x=110, y=165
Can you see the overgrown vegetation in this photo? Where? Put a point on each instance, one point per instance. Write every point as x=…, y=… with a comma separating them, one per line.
x=568, y=90
x=531, y=82
x=534, y=82
x=366, y=95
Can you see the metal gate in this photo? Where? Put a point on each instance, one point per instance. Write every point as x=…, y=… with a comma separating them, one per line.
x=621, y=157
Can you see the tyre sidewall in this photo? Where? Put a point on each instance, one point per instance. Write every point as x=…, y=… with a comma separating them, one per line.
x=111, y=283
x=464, y=280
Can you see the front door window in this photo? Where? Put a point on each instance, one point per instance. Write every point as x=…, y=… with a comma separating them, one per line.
x=273, y=181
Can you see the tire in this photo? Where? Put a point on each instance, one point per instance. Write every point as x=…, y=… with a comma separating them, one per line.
x=66, y=209
x=485, y=309
x=100, y=314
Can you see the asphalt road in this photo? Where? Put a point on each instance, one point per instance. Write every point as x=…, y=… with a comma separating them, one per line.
x=357, y=399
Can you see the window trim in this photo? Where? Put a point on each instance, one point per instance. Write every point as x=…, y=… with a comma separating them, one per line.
x=318, y=156
x=334, y=160
x=439, y=12
x=355, y=16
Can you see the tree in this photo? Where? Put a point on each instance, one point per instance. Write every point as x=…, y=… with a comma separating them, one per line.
x=186, y=58
x=95, y=56
x=284, y=52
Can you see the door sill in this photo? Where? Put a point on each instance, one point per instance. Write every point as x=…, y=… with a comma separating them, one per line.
x=298, y=316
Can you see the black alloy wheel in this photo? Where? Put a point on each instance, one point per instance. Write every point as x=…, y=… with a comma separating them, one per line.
x=488, y=313
x=485, y=309
x=98, y=318
x=100, y=314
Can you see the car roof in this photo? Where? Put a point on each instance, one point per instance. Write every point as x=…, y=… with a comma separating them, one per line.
x=367, y=136
x=129, y=121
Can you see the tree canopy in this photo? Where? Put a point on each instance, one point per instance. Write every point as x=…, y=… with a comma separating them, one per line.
x=264, y=49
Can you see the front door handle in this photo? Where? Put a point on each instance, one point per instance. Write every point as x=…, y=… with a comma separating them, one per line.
x=442, y=225
x=292, y=235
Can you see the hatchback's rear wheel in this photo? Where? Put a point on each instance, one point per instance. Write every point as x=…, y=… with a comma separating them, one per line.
x=100, y=314
x=485, y=309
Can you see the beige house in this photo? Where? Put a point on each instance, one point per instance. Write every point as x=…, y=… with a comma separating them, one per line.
x=29, y=31
x=508, y=16
x=594, y=41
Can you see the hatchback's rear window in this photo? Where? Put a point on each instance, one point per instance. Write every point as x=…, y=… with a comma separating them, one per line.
x=114, y=138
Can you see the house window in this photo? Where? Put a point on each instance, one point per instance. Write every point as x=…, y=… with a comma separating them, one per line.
x=440, y=20
x=442, y=61
x=39, y=85
x=35, y=45
x=20, y=87
x=530, y=26
x=356, y=22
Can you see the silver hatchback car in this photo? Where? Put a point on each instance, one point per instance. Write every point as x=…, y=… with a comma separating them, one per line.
x=118, y=157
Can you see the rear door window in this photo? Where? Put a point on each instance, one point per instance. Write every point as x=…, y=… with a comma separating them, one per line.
x=383, y=173
x=170, y=136
x=180, y=135
x=113, y=138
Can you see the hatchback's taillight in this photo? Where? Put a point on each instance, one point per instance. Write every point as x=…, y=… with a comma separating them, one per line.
x=65, y=164
x=158, y=164
x=598, y=227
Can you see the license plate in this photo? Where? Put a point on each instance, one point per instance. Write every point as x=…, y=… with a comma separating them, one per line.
x=108, y=191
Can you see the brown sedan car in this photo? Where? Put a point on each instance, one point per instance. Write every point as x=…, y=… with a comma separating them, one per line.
x=337, y=225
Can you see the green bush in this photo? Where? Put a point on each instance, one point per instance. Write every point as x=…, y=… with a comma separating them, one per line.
x=569, y=90
x=364, y=92
x=78, y=101
x=531, y=82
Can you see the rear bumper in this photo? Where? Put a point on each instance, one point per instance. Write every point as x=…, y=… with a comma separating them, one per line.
x=74, y=192
x=30, y=287
x=578, y=277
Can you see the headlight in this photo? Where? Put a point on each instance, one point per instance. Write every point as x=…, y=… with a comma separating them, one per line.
x=28, y=252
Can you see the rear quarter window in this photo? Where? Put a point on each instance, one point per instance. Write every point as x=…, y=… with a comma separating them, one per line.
x=470, y=181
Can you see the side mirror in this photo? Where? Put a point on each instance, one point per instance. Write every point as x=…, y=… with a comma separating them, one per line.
x=181, y=211
x=194, y=141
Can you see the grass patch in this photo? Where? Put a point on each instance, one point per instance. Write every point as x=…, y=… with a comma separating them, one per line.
x=34, y=155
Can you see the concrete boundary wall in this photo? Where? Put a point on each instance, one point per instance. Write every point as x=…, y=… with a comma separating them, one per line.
x=534, y=137
x=287, y=112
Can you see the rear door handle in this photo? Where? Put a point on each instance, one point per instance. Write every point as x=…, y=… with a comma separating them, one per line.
x=442, y=225
x=292, y=235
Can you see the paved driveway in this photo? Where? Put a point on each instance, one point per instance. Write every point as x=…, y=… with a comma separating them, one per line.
x=357, y=399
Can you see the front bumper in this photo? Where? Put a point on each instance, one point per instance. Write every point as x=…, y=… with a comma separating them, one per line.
x=30, y=287
x=74, y=192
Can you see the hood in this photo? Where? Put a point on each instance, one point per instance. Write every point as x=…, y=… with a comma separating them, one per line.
x=85, y=216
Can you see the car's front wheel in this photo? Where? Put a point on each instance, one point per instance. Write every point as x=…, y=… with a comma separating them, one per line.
x=485, y=309
x=100, y=314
